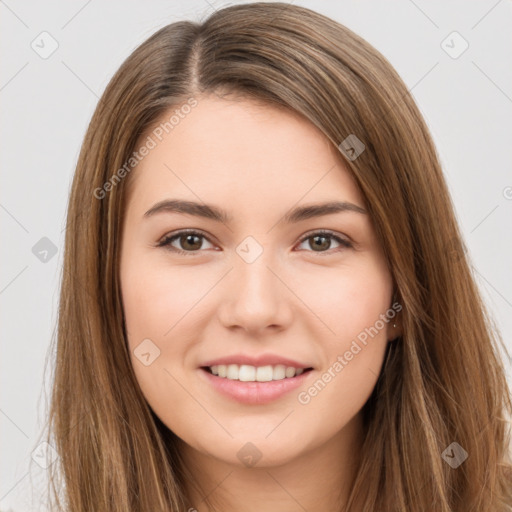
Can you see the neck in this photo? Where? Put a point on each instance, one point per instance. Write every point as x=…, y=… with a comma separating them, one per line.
x=318, y=478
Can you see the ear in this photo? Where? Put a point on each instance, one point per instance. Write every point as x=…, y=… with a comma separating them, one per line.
x=394, y=326
x=394, y=329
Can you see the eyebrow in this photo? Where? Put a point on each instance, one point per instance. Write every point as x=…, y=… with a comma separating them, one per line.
x=218, y=214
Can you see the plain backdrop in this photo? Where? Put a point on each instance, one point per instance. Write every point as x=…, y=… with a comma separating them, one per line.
x=56, y=59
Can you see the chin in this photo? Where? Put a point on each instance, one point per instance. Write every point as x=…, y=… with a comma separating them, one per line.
x=249, y=450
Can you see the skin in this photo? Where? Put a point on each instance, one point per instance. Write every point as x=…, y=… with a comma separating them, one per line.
x=257, y=162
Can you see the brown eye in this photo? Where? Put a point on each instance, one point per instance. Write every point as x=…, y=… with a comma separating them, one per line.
x=321, y=241
x=188, y=242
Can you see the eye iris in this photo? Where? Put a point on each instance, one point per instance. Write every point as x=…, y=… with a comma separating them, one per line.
x=187, y=238
x=317, y=244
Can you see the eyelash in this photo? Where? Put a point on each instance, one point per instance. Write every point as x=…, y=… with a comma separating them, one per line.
x=166, y=241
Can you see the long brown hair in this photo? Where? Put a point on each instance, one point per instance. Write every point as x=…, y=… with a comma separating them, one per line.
x=443, y=382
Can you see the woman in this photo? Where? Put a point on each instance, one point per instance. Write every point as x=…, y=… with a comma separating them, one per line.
x=266, y=303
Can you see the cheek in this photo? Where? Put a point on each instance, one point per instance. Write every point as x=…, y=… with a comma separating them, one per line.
x=350, y=307
x=157, y=297
x=348, y=299
x=162, y=307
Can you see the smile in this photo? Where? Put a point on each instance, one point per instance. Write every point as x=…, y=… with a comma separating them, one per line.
x=252, y=391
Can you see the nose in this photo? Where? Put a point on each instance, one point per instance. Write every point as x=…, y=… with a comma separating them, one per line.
x=256, y=298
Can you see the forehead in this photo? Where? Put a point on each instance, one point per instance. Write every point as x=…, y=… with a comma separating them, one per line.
x=237, y=152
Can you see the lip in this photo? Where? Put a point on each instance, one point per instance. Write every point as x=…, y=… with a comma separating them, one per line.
x=261, y=360
x=254, y=393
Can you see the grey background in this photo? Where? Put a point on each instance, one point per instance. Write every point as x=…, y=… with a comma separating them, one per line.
x=46, y=104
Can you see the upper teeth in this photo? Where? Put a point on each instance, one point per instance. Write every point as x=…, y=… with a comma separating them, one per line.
x=249, y=373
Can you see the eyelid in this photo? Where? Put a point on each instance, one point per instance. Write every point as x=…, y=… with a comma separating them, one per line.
x=166, y=240
x=321, y=231
x=345, y=243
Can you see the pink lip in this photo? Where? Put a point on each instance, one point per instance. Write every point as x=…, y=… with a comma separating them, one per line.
x=262, y=360
x=254, y=393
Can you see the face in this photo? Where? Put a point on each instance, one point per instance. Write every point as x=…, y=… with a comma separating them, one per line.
x=264, y=287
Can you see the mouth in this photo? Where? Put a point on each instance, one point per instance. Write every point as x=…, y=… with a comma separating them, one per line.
x=254, y=385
